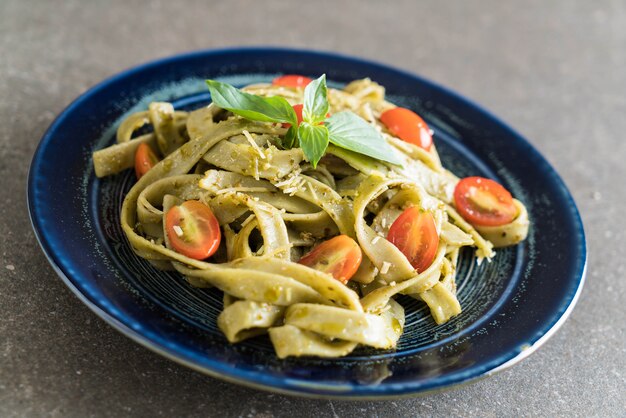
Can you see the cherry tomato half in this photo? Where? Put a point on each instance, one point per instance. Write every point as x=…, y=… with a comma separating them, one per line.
x=408, y=126
x=145, y=159
x=291, y=80
x=339, y=256
x=193, y=230
x=415, y=234
x=484, y=202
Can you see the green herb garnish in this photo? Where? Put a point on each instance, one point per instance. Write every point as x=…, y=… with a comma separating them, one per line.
x=250, y=106
x=315, y=101
x=313, y=141
x=344, y=129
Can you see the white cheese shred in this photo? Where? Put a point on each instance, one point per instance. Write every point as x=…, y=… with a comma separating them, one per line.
x=253, y=143
x=257, y=175
x=178, y=230
x=312, y=190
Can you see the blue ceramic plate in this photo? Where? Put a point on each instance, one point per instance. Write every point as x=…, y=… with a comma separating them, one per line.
x=510, y=306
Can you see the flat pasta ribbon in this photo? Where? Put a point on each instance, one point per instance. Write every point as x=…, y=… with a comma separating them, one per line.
x=273, y=207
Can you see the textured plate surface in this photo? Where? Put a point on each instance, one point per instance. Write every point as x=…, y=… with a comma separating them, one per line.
x=510, y=306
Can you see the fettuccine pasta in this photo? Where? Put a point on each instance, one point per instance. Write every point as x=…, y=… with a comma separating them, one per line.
x=273, y=207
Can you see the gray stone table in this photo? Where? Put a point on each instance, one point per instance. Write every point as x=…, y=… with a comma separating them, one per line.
x=554, y=70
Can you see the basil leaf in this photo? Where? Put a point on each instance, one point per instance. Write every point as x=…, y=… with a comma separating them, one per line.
x=313, y=141
x=289, y=140
x=347, y=130
x=315, y=101
x=250, y=106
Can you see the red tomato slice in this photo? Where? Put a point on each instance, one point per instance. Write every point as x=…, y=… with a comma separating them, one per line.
x=415, y=234
x=145, y=159
x=291, y=80
x=408, y=126
x=193, y=230
x=484, y=202
x=339, y=256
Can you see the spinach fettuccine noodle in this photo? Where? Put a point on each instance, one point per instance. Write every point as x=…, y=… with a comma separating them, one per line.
x=278, y=195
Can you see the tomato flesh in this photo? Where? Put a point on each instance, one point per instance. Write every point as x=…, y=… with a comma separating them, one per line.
x=291, y=80
x=339, y=256
x=193, y=230
x=145, y=159
x=484, y=202
x=408, y=126
x=414, y=233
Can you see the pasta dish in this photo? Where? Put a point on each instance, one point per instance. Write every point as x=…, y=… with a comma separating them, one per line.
x=310, y=207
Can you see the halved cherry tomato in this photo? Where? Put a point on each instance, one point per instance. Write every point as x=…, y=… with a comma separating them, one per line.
x=408, y=126
x=145, y=159
x=484, y=202
x=291, y=80
x=193, y=230
x=339, y=256
x=415, y=234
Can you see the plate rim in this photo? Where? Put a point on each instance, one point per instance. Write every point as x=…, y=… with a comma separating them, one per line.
x=406, y=389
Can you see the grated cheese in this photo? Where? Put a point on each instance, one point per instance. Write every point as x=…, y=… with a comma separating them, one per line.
x=312, y=191
x=290, y=181
x=253, y=143
x=385, y=267
x=292, y=184
x=207, y=183
x=256, y=169
x=282, y=183
x=375, y=240
x=178, y=230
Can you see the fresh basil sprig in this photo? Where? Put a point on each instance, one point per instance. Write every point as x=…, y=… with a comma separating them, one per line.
x=250, y=106
x=313, y=141
x=353, y=133
x=344, y=129
x=315, y=101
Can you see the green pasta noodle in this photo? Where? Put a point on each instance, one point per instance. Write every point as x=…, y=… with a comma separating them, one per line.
x=273, y=206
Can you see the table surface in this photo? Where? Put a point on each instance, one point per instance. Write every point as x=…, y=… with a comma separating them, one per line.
x=556, y=71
